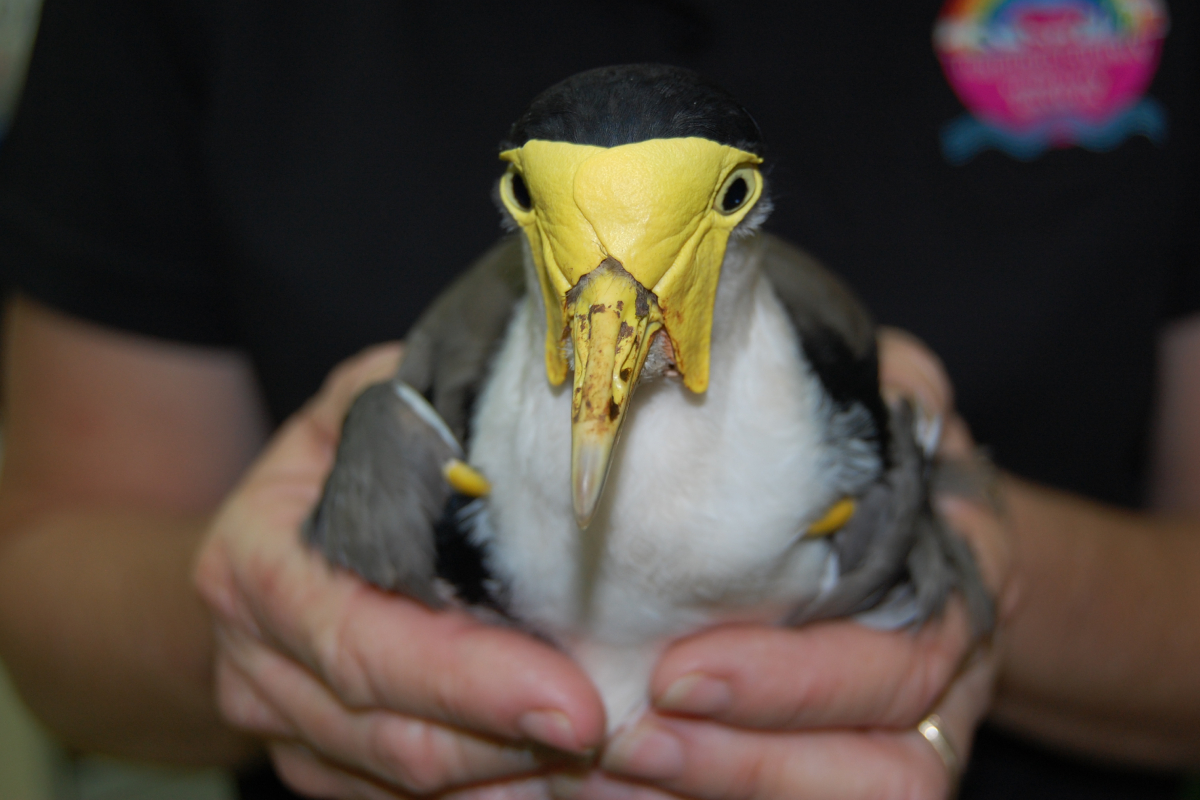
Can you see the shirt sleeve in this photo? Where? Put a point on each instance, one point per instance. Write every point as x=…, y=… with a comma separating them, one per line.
x=102, y=205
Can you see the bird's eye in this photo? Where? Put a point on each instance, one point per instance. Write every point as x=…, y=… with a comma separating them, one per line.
x=735, y=195
x=738, y=188
x=519, y=191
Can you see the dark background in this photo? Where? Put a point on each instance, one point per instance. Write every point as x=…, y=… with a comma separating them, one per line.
x=300, y=178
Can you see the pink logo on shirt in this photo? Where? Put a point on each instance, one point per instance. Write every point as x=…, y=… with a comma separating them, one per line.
x=1037, y=74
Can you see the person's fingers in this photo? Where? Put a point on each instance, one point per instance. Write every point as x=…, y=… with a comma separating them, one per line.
x=664, y=757
x=242, y=705
x=702, y=759
x=827, y=674
x=302, y=771
x=284, y=484
x=379, y=691
x=371, y=647
x=908, y=368
x=415, y=755
x=968, y=699
x=793, y=740
x=956, y=440
x=600, y=785
x=991, y=542
x=374, y=648
x=309, y=774
x=528, y=789
x=465, y=673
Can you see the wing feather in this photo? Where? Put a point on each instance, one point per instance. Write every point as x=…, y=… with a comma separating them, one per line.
x=897, y=558
x=387, y=511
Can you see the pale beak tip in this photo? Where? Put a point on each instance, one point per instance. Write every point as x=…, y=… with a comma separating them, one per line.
x=583, y=518
x=588, y=472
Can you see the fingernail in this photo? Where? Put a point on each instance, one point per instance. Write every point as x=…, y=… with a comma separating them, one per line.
x=648, y=751
x=551, y=728
x=696, y=693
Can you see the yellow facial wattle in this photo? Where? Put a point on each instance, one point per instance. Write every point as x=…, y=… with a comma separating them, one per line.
x=649, y=205
x=627, y=241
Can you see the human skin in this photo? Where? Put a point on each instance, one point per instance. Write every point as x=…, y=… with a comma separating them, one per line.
x=1096, y=653
x=393, y=715
x=363, y=694
x=828, y=710
x=124, y=504
x=117, y=451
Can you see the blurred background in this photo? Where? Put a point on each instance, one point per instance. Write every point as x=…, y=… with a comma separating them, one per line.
x=916, y=202
x=32, y=765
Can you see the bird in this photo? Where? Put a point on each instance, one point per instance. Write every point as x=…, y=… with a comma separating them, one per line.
x=639, y=415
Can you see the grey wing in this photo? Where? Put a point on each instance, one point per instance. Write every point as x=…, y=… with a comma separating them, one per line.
x=897, y=559
x=386, y=492
x=974, y=479
x=940, y=560
x=448, y=350
x=817, y=301
x=874, y=545
x=385, y=510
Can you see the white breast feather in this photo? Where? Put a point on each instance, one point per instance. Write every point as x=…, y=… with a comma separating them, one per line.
x=702, y=517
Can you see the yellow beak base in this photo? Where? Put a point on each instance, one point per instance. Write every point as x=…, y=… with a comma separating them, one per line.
x=613, y=319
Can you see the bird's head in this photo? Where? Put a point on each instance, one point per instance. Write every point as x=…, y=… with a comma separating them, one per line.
x=627, y=182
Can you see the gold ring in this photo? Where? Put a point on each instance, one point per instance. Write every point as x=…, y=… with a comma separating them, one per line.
x=933, y=728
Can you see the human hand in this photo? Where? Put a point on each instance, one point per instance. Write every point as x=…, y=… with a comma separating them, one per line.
x=828, y=710
x=909, y=369
x=358, y=692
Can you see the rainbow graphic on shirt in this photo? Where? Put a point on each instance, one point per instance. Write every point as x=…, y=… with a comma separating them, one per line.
x=1042, y=74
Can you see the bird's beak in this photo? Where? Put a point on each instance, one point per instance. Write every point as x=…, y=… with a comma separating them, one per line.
x=612, y=320
x=627, y=240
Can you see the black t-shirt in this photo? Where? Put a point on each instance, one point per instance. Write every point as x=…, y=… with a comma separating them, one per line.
x=299, y=178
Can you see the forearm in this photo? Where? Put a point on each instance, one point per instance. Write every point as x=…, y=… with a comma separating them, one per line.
x=1099, y=653
x=106, y=638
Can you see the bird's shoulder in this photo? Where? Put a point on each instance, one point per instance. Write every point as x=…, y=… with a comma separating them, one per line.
x=449, y=348
x=835, y=329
